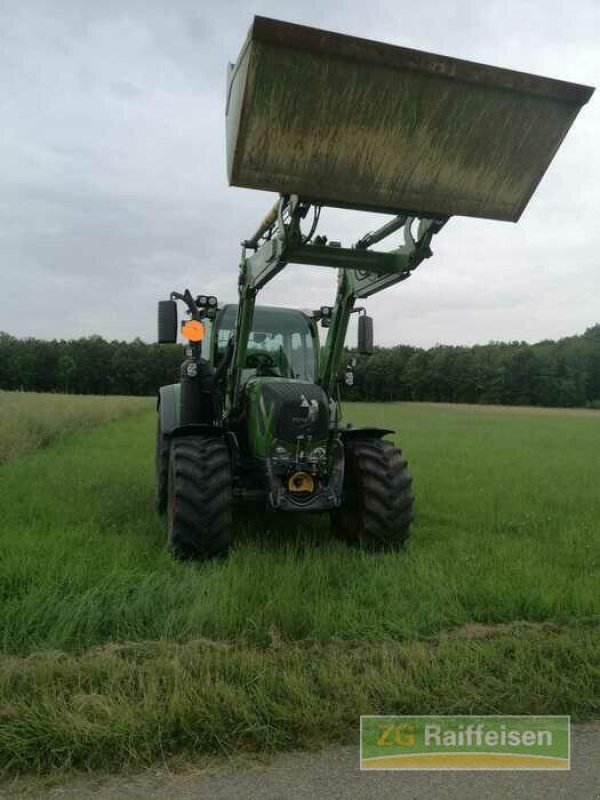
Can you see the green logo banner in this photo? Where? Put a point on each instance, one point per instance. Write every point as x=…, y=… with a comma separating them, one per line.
x=465, y=742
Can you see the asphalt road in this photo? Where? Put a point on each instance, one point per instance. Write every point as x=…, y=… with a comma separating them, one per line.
x=334, y=773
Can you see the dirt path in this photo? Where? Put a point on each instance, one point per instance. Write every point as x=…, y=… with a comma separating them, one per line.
x=334, y=773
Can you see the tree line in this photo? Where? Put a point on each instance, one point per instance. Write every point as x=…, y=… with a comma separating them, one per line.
x=87, y=366
x=549, y=373
x=563, y=373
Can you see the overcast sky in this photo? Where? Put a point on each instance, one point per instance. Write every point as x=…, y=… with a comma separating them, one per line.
x=113, y=188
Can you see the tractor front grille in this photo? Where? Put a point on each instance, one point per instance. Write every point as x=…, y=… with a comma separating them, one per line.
x=300, y=409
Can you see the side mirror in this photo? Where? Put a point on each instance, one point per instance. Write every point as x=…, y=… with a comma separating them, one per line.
x=167, y=322
x=365, y=334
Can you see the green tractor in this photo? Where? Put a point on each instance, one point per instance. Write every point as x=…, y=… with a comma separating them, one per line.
x=327, y=120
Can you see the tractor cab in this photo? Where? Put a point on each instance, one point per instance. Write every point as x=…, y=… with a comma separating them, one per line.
x=283, y=343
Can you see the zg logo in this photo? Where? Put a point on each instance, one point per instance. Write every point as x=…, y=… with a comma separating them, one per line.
x=402, y=734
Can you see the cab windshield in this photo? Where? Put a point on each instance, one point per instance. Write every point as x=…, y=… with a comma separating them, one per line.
x=281, y=343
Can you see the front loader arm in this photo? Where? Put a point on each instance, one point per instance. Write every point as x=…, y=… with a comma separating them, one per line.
x=256, y=270
x=243, y=326
x=362, y=272
x=355, y=283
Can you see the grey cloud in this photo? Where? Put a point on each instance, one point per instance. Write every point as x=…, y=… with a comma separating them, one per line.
x=112, y=170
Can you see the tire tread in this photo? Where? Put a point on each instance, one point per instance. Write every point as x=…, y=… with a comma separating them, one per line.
x=377, y=504
x=200, y=497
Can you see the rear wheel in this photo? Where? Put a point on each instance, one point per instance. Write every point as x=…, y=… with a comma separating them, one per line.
x=377, y=501
x=199, y=497
x=161, y=470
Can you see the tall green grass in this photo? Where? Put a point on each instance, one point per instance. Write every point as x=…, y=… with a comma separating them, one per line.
x=31, y=420
x=507, y=528
x=139, y=703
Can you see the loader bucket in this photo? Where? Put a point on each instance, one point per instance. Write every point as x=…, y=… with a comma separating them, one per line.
x=354, y=123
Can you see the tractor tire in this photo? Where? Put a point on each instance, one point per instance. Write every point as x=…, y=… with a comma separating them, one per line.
x=161, y=470
x=199, y=497
x=377, y=501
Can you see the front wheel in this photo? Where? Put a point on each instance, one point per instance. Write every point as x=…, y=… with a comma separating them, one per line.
x=199, y=497
x=377, y=501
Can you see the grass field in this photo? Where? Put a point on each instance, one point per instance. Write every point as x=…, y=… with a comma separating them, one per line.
x=114, y=654
x=29, y=420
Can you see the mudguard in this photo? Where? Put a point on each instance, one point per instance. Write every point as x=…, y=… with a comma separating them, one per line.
x=167, y=405
x=348, y=434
